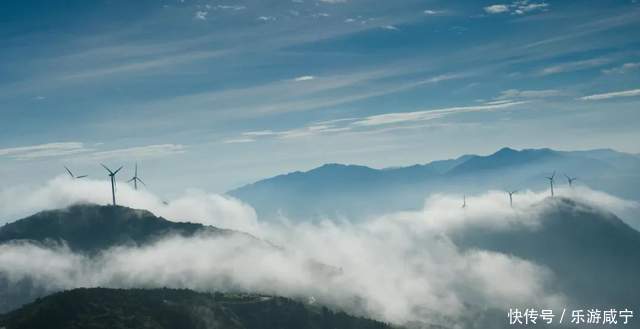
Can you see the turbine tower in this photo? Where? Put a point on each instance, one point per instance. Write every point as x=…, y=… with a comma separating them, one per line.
x=511, y=197
x=135, y=179
x=551, y=181
x=112, y=175
x=72, y=175
x=570, y=179
x=464, y=201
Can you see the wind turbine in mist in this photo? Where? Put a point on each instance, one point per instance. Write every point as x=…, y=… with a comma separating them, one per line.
x=570, y=179
x=72, y=175
x=551, y=181
x=135, y=179
x=112, y=175
x=464, y=201
x=511, y=197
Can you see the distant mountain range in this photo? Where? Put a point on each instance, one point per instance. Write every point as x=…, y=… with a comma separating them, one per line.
x=357, y=192
x=170, y=309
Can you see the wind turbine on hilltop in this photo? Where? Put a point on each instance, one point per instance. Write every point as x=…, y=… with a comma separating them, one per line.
x=551, y=181
x=135, y=179
x=570, y=179
x=511, y=197
x=112, y=175
x=72, y=175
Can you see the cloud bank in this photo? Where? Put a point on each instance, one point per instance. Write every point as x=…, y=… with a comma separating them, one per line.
x=400, y=267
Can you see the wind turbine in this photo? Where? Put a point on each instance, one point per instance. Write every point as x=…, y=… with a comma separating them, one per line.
x=551, y=181
x=72, y=175
x=511, y=197
x=464, y=201
x=570, y=179
x=135, y=179
x=112, y=175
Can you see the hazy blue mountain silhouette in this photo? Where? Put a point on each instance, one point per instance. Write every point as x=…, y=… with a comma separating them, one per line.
x=170, y=308
x=356, y=192
x=504, y=158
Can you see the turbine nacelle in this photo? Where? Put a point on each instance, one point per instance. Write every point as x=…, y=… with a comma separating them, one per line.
x=112, y=175
x=570, y=179
x=135, y=179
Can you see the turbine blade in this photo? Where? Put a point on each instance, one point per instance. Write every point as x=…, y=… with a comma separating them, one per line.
x=105, y=167
x=140, y=180
x=82, y=176
x=69, y=171
x=115, y=172
x=131, y=180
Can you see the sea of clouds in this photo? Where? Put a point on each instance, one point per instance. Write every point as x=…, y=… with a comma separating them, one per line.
x=399, y=267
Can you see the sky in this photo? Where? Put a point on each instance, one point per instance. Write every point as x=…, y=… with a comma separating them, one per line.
x=212, y=95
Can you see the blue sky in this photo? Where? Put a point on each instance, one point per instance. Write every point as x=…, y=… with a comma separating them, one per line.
x=216, y=94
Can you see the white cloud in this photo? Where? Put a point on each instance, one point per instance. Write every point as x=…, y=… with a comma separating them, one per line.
x=266, y=18
x=623, y=69
x=401, y=117
x=397, y=268
x=574, y=66
x=238, y=140
x=517, y=7
x=43, y=150
x=139, y=152
x=528, y=94
x=231, y=7
x=431, y=12
x=62, y=191
x=305, y=78
x=616, y=94
x=496, y=9
x=390, y=27
x=259, y=133
x=200, y=15
x=333, y=1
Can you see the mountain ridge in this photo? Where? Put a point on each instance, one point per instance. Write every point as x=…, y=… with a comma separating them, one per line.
x=90, y=228
x=89, y=308
x=358, y=192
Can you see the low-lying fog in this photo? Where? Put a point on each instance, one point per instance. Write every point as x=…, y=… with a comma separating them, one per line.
x=398, y=267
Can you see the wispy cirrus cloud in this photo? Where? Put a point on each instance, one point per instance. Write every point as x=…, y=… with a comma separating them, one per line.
x=528, y=94
x=401, y=117
x=361, y=124
x=623, y=69
x=496, y=9
x=139, y=152
x=62, y=149
x=615, y=94
x=304, y=78
x=238, y=140
x=517, y=7
x=433, y=12
x=43, y=150
x=573, y=66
